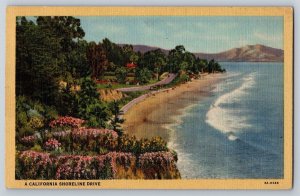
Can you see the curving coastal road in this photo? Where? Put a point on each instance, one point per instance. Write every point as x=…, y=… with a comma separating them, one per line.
x=165, y=81
x=126, y=107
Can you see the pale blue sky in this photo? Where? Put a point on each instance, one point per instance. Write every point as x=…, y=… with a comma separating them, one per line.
x=197, y=33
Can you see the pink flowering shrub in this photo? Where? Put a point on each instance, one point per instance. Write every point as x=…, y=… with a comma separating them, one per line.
x=35, y=165
x=76, y=167
x=66, y=121
x=120, y=158
x=28, y=140
x=88, y=139
x=52, y=144
x=61, y=134
x=92, y=167
x=64, y=137
x=163, y=159
x=93, y=153
x=93, y=133
x=158, y=165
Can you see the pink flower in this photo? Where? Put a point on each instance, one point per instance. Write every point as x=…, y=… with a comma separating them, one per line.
x=66, y=121
x=162, y=159
x=52, y=144
x=61, y=134
x=35, y=165
x=91, y=167
x=93, y=133
x=28, y=139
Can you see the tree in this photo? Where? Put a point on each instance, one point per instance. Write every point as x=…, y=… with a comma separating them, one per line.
x=116, y=121
x=68, y=32
x=48, y=52
x=121, y=74
x=88, y=93
x=143, y=75
x=214, y=66
x=78, y=61
x=38, y=62
x=154, y=60
x=127, y=53
x=203, y=65
x=176, y=57
x=134, y=58
x=189, y=58
x=66, y=29
x=114, y=52
x=97, y=59
x=90, y=107
x=159, y=61
x=68, y=102
x=96, y=115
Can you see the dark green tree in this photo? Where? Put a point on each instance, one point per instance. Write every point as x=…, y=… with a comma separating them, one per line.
x=189, y=58
x=175, y=59
x=38, y=62
x=68, y=32
x=214, y=66
x=90, y=107
x=116, y=120
x=121, y=74
x=97, y=59
x=143, y=75
x=78, y=62
x=48, y=52
x=114, y=53
x=154, y=60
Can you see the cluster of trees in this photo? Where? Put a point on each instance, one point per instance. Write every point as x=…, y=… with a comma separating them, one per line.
x=181, y=60
x=53, y=74
x=108, y=57
x=49, y=51
x=56, y=70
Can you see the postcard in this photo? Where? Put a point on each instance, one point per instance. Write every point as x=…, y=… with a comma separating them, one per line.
x=149, y=97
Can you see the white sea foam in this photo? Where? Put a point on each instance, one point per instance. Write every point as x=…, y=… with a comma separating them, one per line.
x=228, y=81
x=230, y=120
x=185, y=161
x=177, y=121
x=232, y=137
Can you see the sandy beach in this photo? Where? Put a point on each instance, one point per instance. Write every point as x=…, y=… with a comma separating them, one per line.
x=151, y=116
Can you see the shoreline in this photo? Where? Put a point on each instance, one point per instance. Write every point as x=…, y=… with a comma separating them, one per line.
x=151, y=116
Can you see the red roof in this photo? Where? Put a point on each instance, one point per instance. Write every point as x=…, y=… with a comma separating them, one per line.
x=131, y=65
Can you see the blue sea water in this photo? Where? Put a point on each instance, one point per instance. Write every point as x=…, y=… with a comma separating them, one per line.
x=237, y=131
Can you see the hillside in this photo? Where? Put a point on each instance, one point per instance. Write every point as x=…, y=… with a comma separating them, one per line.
x=249, y=53
x=145, y=48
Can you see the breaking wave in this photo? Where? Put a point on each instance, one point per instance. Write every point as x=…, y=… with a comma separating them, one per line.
x=230, y=120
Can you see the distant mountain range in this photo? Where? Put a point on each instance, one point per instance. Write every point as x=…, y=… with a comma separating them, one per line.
x=249, y=53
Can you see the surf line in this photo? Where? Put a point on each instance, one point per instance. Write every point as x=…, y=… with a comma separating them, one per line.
x=231, y=120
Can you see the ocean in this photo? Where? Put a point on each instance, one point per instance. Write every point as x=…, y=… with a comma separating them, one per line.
x=236, y=131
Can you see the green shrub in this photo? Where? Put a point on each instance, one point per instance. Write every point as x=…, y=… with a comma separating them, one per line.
x=121, y=74
x=143, y=75
x=37, y=148
x=131, y=144
x=31, y=116
x=183, y=78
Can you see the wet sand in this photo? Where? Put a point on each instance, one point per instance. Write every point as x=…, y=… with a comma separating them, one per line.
x=151, y=116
